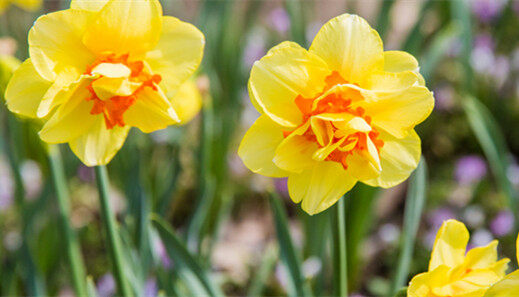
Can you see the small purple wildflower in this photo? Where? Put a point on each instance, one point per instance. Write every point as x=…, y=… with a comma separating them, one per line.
x=487, y=10
x=279, y=19
x=470, y=169
x=503, y=223
x=106, y=285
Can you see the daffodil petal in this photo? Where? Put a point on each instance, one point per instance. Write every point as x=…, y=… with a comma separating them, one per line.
x=449, y=245
x=419, y=286
x=177, y=54
x=398, y=158
x=506, y=287
x=71, y=119
x=482, y=257
x=349, y=45
x=151, y=111
x=58, y=92
x=258, y=147
x=398, y=61
x=26, y=90
x=319, y=186
x=387, y=109
x=89, y=5
x=99, y=145
x=123, y=27
x=55, y=43
x=187, y=102
x=287, y=71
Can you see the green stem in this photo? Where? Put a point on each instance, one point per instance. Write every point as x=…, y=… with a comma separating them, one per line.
x=71, y=242
x=114, y=241
x=340, y=260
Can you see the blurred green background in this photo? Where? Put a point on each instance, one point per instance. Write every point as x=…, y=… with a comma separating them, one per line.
x=222, y=234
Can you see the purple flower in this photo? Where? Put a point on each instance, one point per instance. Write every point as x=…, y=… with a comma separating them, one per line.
x=254, y=49
x=281, y=186
x=481, y=237
x=86, y=174
x=279, y=20
x=503, y=223
x=470, y=169
x=444, y=96
x=485, y=41
x=438, y=216
x=160, y=250
x=487, y=10
x=106, y=285
x=150, y=288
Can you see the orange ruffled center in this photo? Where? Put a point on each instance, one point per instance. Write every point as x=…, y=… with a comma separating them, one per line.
x=338, y=103
x=114, y=107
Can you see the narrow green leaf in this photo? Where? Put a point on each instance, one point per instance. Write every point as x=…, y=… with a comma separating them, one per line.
x=414, y=204
x=186, y=266
x=437, y=49
x=289, y=256
x=91, y=287
x=383, y=18
x=493, y=143
x=415, y=37
x=264, y=271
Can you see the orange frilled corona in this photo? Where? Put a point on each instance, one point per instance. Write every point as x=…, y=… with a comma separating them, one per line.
x=341, y=112
x=101, y=67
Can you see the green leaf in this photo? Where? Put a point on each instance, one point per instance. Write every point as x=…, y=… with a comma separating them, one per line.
x=414, y=204
x=186, y=266
x=264, y=271
x=289, y=256
x=439, y=46
x=91, y=287
x=493, y=143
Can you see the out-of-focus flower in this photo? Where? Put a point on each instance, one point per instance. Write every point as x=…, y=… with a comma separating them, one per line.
x=106, y=285
x=32, y=178
x=8, y=64
x=279, y=20
x=254, y=49
x=501, y=70
x=12, y=240
x=6, y=186
x=487, y=10
x=85, y=174
x=470, y=169
x=343, y=111
x=503, y=223
x=474, y=216
x=7, y=46
x=509, y=285
x=454, y=273
x=150, y=288
x=480, y=237
x=160, y=250
x=440, y=215
x=482, y=57
x=512, y=173
x=29, y=5
x=444, y=96
x=311, y=267
x=102, y=67
x=389, y=233
x=281, y=186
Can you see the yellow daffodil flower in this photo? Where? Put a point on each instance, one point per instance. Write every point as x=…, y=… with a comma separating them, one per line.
x=452, y=272
x=341, y=112
x=509, y=285
x=29, y=5
x=101, y=67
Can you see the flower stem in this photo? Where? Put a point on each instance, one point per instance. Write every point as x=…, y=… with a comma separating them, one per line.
x=72, y=245
x=114, y=241
x=340, y=264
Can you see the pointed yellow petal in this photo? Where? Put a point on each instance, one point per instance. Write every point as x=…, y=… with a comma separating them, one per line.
x=349, y=45
x=177, y=55
x=419, y=286
x=123, y=26
x=295, y=152
x=398, y=61
x=320, y=186
x=55, y=43
x=398, y=158
x=507, y=287
x=89, y=5
x=71, y=119
x=399, y=112
x=26, y=90
x=151, y=111
x=482, y=257
x=59, y=92
x=99, y=145
x=258, y=146
x=287, y=71
x=363, y=165
x=450, y=244
x=187, y=101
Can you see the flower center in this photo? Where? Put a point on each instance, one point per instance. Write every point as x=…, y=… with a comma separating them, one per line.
x=337, y=124
x=117, y=86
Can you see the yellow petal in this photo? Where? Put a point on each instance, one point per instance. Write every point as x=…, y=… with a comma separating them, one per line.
x=25, y=90
x=393, y=82
x=29, y=5
x=349, y=45
x=258, y=147
x=123, y=26
x=71, y=119
x=106, y=87
x=507, y=287
x=398, y=158
x=482, y=257
x=55, y=43
x=419, y=286
x=151, y=111
x=112, y=70
x=177, y=55
x=399, y=112
x=99, y=145
x=287, y=71
x=449, y=245
x=363, y=165
x=89, y=5
x=187, y=101
x=320, y=186
x=517, y=249
x=398, y=61
x=58, y=92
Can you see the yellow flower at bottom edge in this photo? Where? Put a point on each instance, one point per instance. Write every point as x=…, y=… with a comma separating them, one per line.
x=455, y=272
x=509, y=285
x=341, y=112
x=101, y=67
